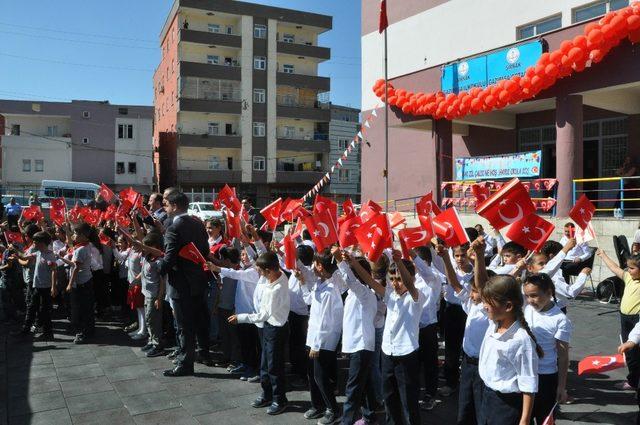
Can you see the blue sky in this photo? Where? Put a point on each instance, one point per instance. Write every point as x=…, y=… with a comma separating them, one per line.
x=107, y=50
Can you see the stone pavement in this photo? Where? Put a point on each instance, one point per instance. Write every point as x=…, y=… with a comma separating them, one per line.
x=111, y=382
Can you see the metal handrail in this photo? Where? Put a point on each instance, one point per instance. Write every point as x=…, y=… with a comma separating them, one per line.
x=617, y=189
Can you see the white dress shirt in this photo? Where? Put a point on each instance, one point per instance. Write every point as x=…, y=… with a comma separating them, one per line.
x=325, y=316
x=274, y=304
x=636, y=237
x=360, y=306
x=476, y=325
x=508, y=362
x=548, y=326
x=297, y=295
x=381, y=313
x=580, y=251
x=401, y=329
x=634, y=335
x=492, y=242
x=464, y=279
x=429, y=282
x=247, y=280
x=565, y=291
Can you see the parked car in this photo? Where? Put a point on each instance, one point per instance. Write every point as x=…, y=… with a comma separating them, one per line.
x=204, y=211
x=20, y=200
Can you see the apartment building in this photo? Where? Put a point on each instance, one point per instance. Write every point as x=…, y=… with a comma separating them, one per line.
x=238, y=99
x=345, y=182
x=79, y=140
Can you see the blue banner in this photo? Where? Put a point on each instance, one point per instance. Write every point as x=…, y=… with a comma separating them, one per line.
x=523, y=164
x=485, y=70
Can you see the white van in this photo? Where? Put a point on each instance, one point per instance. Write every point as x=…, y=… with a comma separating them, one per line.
x=76, y=191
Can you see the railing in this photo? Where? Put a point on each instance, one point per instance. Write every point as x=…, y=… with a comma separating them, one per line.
x=317, y=137
x=297, y=167
x=302, y=103
x=210, y=89
x=619, y=195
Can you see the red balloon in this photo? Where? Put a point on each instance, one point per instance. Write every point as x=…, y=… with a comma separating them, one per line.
x=633, y=22
x=555, y=56
x=595, y=36
x=544, y=58
x=565, y=46
x=476, y=104
x=596, y=55
x=490, y=100
x=580, y=41
x=504, y=96
x=590, y=27
x=579, y=66
x=575, y=54
x=393, y=100
x=634, y=36
x=510, y=86
x=551, y=70
x=525, y=82
x=530, y=72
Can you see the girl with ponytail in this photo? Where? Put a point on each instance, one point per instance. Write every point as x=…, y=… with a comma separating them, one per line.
x=508, y=363
x=552, y=330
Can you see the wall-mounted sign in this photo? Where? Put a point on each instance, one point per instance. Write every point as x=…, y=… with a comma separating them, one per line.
x=522, y=164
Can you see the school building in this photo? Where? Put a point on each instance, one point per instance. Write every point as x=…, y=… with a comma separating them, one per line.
x=585, y=125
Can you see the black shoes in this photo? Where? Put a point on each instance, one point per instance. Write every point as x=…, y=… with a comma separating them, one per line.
x=260, y=402
x=276, y=408
x=179, y=371
x=155, y=352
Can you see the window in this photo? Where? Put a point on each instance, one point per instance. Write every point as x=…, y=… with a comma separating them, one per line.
x=39, y=163
x=15, y=129
x=288, y=69
x=214, y=163
x=289, y=132
x=540, y=27
x=596, y=9
x=85, y=140
x=26, y=165
x=132, y=168
x=259, y=163
x=289, y=38
x=125, y=131
x=259, y=95
x=259, y=129
x=123, y=111
x=119, y=167
x=213, y=59
x=214, y=28
x=342, y=144
x=260, y=62
x=260, y=31
x=86, y=114
x=214, y=129
x=52, y=130
x=289, y=100
x=343, y=175
x=230, y=30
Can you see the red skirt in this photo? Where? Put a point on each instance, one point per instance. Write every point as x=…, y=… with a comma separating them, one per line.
x=135, y=298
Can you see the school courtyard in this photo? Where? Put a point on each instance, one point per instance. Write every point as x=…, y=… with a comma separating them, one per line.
x=111, y=382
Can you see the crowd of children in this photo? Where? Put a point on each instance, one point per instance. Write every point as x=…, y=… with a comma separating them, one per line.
x=500, y=311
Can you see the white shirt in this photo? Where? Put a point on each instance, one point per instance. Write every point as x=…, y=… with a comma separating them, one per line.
x=325, y=316
x=56, y=246
x=401, y=329
x=636, y=237
x=381, y=313
x=492, y=242
x=429, y=282
x=548, y=326
x=309, y=243
x=96, y=258
x=508, y=362
x=565, y=291
x=450, y=293
x=360, y=306
x=580, y=251
x=476, y=325
x=274, y=305
x=298, y=304
x=634, y=335
x=247, y=280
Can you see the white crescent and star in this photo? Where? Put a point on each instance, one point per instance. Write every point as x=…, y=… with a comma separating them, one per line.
x=423, y=236
x=510, y=220
x=536, y=241
x=324, y=227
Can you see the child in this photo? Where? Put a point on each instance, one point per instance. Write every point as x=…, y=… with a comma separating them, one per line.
x=273, y=313
x=508, y=363
x=26, y=259
x=11, y=286
x=629, y=310
x=323, y=335
x=153, y=289
x=225, y=309
x=121, y=255
x=44, y=286
x=552, y=330
x=135, y=299
x=509, y=256
x=577, y=256
x=632, y=343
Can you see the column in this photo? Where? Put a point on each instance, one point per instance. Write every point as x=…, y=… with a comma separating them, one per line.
x=568, y=149
x=272, y=68
x=443, y=134
x=246, y=92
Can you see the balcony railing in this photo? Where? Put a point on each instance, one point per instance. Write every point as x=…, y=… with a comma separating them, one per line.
x=311, y=166
x=282, y=134
x=301, y=103
x=210, y=89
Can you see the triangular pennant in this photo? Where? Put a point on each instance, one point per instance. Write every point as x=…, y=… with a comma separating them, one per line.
x=366, y=124
x=333, y=167
x=360, y=134
x=353, y=144
x=340, y=161
x=374, y=113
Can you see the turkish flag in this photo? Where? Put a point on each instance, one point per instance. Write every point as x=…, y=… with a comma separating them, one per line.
x=396, y=219
x=369, y=210
x=104, y=239
x=233, y=224
x=291, y=210
x=297, y=231
x=32, y=213
x=13, y=237
x=582, y=212
x=426, y=205
x=448, y=227
x=508, y=205
x=91, y=216
x=414, y=237
x=106, y=193
x=348, y=209
x=130, y=195
x=599, y=364
x=374, y=236
x=346, y=234
x=227, y=196
x=57, y=210
x=110, y=213
x=481, y=192
x=190, y=252
x=322, y=228
x=427, y=224
x=384, y=20
x=122, y=213
x=74, y=213
x=290, y=254
x=321, y=203
x=271, y=213
x=138, y=206
x=531, y=232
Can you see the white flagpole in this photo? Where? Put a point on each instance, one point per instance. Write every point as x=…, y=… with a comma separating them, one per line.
x=386, y=122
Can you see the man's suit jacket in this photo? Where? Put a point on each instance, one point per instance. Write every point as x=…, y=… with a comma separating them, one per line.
x=184, y=277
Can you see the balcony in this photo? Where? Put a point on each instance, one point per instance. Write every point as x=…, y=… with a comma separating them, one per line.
x=207, y=177
x=210, y=141
x=213, y=105
x=303, y=142
x=300, y=80
x=300, y=177
x=306, y=50
x=316, y=111
x=211, y=38
x=206, y=70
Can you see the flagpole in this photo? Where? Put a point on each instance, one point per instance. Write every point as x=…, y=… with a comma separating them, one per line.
x=386, y=123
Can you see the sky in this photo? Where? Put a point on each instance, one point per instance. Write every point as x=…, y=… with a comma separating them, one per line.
x=107, y=50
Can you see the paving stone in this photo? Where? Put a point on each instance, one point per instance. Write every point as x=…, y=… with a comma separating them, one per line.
x=206, y=403
x=86, y=386
x=118, y=416
x=139, y=386
x=34, y=386
x=123, y=373
x=150, y=402
x=20, y=406
x=77, y=360
x=177, y=416
x=93, y=402
x=79, y=372
x=50, y=417
x=117, y=360
x=192, y=387
x=31, y=372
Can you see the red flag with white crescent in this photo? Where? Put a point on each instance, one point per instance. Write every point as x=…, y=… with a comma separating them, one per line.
x=531, y=232
x=448, y=227
x=509, y=204
x=271, y=213
x=322, y=228
x=582, y=212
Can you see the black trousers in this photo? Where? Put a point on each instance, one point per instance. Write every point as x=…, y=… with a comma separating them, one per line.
x=249, y=345
x=101, y=291
x=429, y=358
x=627, y=322
x=454, y=322
x=298, y=325
x=401, y=386
x=470, y=393
x=39, y=305
x=190, y=320
x=228, y=336
x=569, y=268
x=359, y=391
x=119, y=289
x=82, y=312
x=272, y=374
x=500, y=408
x=545, y=397
x=321, y=383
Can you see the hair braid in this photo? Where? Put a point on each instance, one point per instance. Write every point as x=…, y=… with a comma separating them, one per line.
x=525, y=326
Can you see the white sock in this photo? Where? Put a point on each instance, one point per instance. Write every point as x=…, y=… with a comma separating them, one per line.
x=142, y=328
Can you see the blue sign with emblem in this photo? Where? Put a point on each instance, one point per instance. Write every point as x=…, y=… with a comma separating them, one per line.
x=485, y=70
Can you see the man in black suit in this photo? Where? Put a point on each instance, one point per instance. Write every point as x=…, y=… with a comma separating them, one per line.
x=187, y=281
